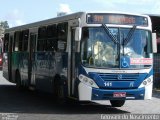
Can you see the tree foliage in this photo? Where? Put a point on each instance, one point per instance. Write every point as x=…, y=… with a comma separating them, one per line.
x=4, y=24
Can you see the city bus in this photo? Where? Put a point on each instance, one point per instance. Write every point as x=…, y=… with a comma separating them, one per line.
x=84, y=56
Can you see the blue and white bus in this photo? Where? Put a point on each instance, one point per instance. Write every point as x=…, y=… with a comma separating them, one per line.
x=83, y=56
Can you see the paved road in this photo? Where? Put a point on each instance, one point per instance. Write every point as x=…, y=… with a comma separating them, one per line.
x=29, y=105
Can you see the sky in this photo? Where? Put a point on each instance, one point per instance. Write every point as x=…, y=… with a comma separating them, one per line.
x=19, y=12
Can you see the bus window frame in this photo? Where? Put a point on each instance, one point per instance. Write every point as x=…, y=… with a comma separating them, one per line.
x=6, y=42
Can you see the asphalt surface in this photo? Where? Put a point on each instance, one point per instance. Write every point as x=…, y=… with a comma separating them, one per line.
x=29, y=105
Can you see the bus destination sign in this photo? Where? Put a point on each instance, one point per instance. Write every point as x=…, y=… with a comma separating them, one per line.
x=116, y=19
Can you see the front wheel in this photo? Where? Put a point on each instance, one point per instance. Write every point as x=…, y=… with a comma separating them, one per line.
x=18, y=80
x=117, y=103
x=59, y=93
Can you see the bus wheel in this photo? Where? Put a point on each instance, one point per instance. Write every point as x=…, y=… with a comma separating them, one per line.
x=59, y=91
x=117, y=103
x=18, y=80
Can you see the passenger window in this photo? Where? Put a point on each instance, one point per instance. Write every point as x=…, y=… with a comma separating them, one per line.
x=42, y=34
x=51, y=38
x=25, y=40
x=18, y=41
x=6, y=42
x=62, y=36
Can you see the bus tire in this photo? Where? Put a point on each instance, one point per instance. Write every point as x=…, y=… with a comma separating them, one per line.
x=59, y=91
x=18, y=80
x=117, y=103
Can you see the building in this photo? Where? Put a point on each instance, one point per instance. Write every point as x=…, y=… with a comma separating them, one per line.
x=156, y=63
x=1, y=32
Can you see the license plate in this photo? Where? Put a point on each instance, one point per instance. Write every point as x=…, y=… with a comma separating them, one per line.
x=119, y=94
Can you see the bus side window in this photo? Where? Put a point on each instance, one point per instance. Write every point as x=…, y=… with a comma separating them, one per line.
x=6, y=42
x=25, y=40
x=62, y=36
x=17, y=41
x=51, y=38
x=42, y=34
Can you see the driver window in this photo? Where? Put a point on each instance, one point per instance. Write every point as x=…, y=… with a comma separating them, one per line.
x=98, y=49
x=103, y=48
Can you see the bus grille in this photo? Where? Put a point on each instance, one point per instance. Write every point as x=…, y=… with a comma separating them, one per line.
x=119, y=77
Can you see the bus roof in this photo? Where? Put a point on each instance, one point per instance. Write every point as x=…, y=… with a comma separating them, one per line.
x=62, y=19
x=46, y=22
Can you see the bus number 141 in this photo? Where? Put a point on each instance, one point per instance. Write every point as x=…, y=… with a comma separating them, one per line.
x=108, y=83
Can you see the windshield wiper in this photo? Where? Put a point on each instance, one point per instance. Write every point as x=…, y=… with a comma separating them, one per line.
x=129, y=35
x=110, y=34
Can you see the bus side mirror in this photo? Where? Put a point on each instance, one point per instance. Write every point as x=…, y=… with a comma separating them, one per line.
x=78, y=32
x=154, y=43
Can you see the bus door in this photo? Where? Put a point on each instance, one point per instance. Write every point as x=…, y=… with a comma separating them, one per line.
x=32, y=64
x=10, y=57
x=72, y=71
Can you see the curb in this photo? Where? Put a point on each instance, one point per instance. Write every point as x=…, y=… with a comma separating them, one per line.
x=156, y=92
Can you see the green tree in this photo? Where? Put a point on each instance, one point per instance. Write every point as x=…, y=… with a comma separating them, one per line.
x=4, y=24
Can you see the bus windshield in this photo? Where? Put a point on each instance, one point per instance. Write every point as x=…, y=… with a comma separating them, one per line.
x=99, y=50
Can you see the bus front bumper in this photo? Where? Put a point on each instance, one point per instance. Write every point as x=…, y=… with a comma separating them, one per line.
x=87, y=93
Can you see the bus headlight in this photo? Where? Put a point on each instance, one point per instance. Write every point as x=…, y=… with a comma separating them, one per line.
x=87, y=81
x=149, y=80
x=146, y=82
